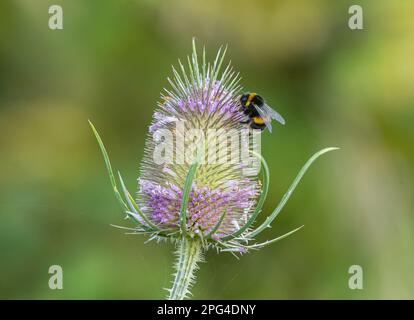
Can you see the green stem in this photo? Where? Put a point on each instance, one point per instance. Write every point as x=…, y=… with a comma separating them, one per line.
x=188, y=255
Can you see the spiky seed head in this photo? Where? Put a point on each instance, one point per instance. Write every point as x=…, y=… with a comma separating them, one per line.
x=199, y=120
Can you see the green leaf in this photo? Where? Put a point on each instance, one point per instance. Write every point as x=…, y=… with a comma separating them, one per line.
x=266, y=243
x=217, y=226
x=287, y=195
x=186, y=193
x=134, y=207
x=108, y=167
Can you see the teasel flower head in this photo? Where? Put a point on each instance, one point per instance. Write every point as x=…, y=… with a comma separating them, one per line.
x=199, y=182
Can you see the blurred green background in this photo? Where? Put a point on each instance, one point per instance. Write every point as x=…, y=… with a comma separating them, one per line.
x=334, y=86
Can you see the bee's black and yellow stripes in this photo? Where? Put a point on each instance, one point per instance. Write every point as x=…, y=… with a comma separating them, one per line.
x=258, y=120
x=250, y=103
x=250, y=98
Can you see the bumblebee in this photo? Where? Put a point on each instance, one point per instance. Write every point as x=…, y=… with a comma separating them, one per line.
x=259, y=114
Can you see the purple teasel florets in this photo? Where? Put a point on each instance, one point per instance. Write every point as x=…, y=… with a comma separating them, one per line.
x=205, y=206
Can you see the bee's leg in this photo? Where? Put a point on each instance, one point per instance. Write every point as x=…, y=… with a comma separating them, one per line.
x=245, y=122
x=245, y=110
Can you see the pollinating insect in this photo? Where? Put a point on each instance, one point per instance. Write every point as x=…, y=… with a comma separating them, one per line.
x=260, y=115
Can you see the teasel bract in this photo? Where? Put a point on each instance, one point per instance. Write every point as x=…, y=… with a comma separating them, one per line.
x=195, y=203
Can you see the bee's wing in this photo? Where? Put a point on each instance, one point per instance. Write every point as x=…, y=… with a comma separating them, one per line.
x=265, y=116
x=273, y=114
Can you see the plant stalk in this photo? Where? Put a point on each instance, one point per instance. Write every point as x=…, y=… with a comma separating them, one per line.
x=189, y=253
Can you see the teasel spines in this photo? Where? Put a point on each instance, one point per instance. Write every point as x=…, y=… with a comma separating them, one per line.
x=222, y=193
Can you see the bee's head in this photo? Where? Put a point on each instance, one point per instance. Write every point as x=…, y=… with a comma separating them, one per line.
x=244, y=98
